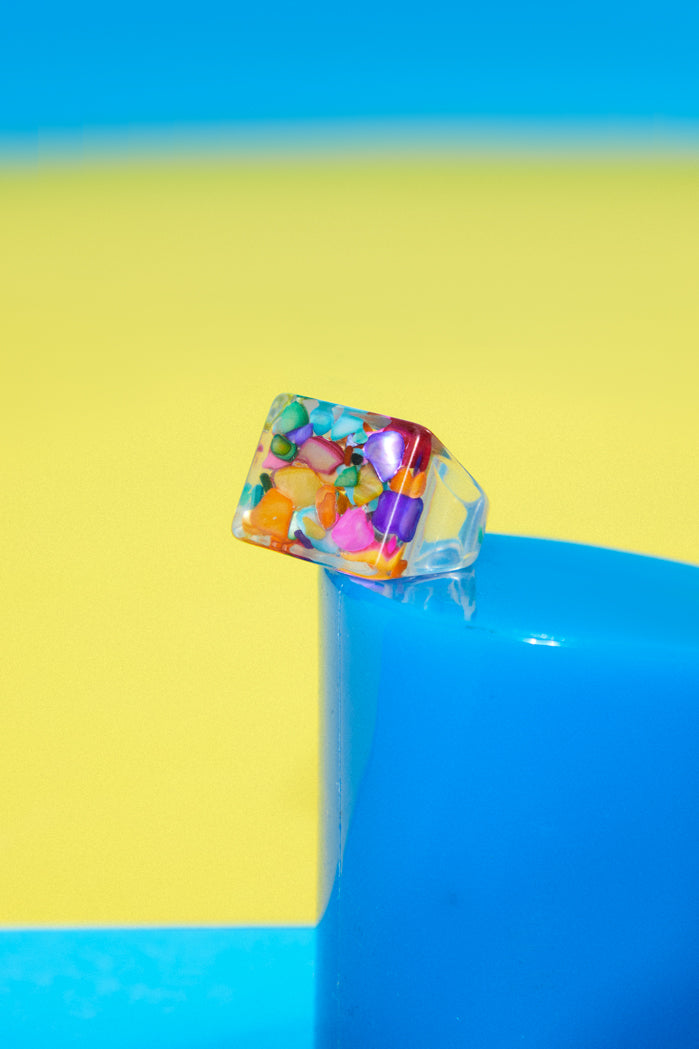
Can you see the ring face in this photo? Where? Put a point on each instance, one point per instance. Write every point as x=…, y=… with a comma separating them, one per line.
x=358, y=492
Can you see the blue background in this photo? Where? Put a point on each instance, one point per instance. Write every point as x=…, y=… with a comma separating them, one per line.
x=96, y=66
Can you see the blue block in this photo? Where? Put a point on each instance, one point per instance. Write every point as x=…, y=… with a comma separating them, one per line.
x=510, y=805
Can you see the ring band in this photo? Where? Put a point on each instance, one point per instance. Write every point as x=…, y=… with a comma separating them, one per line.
x=361, y=493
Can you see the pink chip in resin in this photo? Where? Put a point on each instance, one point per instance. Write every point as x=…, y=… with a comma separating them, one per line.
x=321, y=455
x=353, y=532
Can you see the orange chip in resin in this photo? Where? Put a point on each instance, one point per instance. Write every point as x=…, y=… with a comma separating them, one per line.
x=326, y=506
x=272, y=515
x=298, y=483
x=408, y=484
x=417, y=487
x=400, y=480
x=343, y=503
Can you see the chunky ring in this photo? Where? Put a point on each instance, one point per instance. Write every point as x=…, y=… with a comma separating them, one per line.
x=361, y=493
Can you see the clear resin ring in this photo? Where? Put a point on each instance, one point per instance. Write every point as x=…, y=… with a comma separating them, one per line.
x=361, y=493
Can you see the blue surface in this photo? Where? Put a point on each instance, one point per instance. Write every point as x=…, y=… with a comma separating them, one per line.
x=511, y=788
x=77, y=64
x=153, y=988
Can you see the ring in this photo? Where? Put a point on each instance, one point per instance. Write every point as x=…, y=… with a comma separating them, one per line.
x=361, y=493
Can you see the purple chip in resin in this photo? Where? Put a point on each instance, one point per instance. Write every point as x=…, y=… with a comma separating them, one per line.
x=303, y=539
x=397, y=514
x=385, y=453
x=301, y=434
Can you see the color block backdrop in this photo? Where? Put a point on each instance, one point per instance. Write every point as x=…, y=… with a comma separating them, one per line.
x=537, y=308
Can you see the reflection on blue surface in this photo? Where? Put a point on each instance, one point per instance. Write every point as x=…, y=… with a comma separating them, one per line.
x=511, y=835
x=157, y=989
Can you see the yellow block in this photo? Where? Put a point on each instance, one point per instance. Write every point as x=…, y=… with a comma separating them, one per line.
x=158, y=679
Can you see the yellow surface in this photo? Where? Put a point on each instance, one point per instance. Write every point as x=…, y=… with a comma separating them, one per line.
x=158, y=679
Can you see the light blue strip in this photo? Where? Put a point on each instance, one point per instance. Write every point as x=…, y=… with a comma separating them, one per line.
x=81, y=65
x=237, y=988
